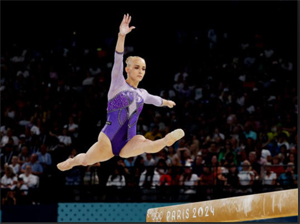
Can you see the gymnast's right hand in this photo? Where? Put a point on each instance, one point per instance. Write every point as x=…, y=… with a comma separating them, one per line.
x=124, y=27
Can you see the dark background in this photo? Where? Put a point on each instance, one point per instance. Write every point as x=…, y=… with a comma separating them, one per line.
x=42, y=24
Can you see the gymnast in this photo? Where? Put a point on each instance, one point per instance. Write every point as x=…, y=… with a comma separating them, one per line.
x=125, y=103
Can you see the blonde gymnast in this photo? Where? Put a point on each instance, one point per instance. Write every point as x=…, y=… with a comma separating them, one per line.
x=125, y=103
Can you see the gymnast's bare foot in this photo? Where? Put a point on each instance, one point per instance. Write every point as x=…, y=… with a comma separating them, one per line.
x=66, y=165
x=174, y=136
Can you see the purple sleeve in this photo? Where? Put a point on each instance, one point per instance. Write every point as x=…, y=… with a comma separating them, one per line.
x=154, y=100
x=117, y=77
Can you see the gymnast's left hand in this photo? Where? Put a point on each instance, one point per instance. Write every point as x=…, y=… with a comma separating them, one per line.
x=124, y=26
x=170, y=103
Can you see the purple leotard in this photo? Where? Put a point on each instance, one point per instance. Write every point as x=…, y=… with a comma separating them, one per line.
x=125, y=104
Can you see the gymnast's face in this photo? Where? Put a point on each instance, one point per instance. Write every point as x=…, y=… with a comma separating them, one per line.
x=136, y=69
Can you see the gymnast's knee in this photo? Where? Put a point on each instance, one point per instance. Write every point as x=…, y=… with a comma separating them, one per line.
x=140, y=137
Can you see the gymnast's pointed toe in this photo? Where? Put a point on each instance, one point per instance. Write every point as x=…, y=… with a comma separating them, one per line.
x=174, y=136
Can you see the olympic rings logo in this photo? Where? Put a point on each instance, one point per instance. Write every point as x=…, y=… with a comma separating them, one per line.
x=155, y=215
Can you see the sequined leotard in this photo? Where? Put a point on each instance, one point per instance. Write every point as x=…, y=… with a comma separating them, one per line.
x=125, y=104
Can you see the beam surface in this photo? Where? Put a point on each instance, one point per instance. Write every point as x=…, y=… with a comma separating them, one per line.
x=236, y=209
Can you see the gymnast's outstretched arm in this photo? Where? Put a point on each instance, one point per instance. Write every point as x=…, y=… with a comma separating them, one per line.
x=117, y=78
x=158, y=101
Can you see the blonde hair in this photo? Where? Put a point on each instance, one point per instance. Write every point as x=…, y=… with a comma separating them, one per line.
x=247, y=165
x=128, y=60
x=176, y=160
x=10, y=171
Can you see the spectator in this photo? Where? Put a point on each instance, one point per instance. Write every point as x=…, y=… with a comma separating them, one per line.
x=9, y=180
x=22, y=142
x=161, y=166
x=148, y=160
x=168, y=93
x=256, y=167
x=206, y=182
x=235, y=147
x=33, y=127
x=181, y=75
x=234, y=126
x=166, y=178
x=286, y=65
x=9, y=134
x=24, y=155
x=269, y=178
x=291, y=159
x=163, y=154
x=232, y=178
x=225, y=97
x=9, y=198
x=90, y=175
x=45, y=158
x=276, y=167
x=64, y=138
x=44, y=137
x=15, y=165
x=34, y=145
x=282, y=140
x=249, y=60
x=153, y=134
x=248, y=132
x=149, y=179
x=37, y=168
x=213, y=150
x=283, y=153
x=289, y=124
x=4, y=126
x=123, y=170
x=116, y=179
x=6, y=154
x=212, y=37
x=266, y=156
x=139, y=163
x=72, y=128
x=249, y=147
x=30, y=180
x=221, y=181
x=184, y=156
x=246, y=178
x=224, y=151
x=197, y=166
x=149, y=182
x=207, y=178
x=188, y=181
x=194, y=150
x=171, y=153
x=89, y=79
x=288, y=179
x=129, y=163
x=203, y=152
x=214, y=165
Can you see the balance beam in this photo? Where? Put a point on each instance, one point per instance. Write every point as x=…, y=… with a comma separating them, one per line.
x=236, y=209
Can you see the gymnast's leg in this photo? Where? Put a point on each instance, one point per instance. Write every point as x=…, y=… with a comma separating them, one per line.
x=99, y=152
x=139, y=144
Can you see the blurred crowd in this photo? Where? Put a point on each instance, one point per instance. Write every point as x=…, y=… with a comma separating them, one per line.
x=236, y=100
